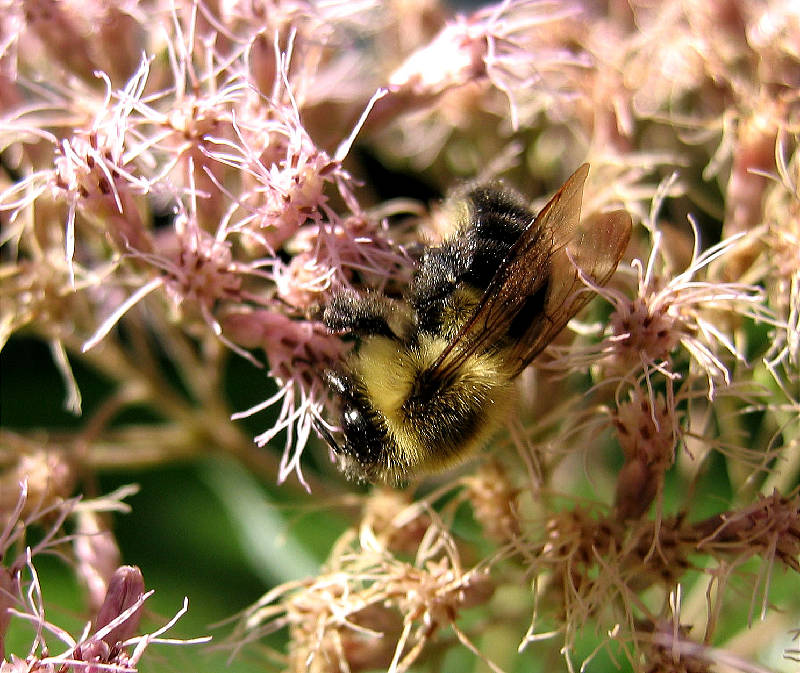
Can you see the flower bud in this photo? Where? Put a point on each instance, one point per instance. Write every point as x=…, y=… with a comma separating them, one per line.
x=124, y=589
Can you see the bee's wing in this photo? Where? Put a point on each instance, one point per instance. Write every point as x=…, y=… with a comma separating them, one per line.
x=521, y=275
x=539, y=269
x=595, y=249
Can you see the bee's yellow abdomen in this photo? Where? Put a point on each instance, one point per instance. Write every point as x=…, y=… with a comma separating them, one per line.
x=457, y=419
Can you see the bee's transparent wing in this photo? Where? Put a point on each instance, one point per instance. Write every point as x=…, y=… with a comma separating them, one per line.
x=596, y=248
x=526, y=274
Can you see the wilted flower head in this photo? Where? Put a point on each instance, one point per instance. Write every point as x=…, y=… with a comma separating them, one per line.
x=370, y=609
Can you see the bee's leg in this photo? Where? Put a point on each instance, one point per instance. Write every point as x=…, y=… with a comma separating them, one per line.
x=365, y=314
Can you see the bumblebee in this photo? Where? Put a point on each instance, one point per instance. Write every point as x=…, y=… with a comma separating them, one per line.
x=431, y=376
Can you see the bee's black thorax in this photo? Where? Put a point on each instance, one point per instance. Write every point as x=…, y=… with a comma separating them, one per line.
x=490, y=225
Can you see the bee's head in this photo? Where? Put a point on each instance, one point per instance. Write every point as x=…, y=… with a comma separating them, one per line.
x=364, y=437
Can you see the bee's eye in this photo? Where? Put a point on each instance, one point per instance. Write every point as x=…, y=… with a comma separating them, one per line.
x=364, y=437
x=353, y=421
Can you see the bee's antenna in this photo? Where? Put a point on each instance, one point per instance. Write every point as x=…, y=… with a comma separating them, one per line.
x=323, y=432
